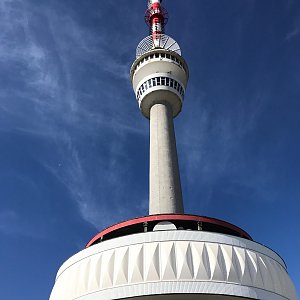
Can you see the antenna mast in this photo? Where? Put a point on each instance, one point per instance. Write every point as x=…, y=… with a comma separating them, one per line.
x=156, y=17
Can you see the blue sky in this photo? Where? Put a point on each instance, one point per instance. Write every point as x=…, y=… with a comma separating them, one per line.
x=74, y=146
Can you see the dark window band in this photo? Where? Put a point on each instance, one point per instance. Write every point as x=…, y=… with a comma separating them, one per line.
x=160, y=81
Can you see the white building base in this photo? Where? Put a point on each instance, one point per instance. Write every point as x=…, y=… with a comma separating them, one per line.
x=175, y=264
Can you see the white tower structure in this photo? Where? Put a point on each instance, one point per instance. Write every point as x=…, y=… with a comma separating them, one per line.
x=168, y=254
x=159, y=77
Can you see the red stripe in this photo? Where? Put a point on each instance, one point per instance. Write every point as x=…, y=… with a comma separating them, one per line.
x=169, y=217
x=156, y=35
x=156, y=5
x=158, y=19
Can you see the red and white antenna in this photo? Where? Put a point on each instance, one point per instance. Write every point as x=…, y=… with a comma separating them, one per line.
x=156, y=18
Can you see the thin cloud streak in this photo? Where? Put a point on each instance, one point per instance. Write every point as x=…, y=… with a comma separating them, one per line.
x=52, y=95
x=226, y=130
x=14, y=224
x=211, y=150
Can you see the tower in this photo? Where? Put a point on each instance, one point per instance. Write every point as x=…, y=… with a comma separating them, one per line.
x=159, y=77
x=169, y=254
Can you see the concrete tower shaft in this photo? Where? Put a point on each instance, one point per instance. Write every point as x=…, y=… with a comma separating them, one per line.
x=165, y=188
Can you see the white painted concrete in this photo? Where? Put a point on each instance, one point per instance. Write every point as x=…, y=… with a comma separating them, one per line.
x=168, y=64
x=153, y=95
x=186, y=264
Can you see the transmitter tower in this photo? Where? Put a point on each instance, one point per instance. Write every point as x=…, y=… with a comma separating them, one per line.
x=169, y=254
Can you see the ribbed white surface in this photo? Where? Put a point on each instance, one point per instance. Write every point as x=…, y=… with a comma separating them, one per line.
x=180, y=262
x=164, y=42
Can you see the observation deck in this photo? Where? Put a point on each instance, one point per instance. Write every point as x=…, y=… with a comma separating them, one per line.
x=173, y=257
x=165, y=221
x=159, y=75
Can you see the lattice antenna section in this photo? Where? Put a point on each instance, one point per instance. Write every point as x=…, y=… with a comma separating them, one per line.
x=156, y=17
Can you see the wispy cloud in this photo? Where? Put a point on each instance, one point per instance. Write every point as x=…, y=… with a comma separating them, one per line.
x=14, y=224
x=295, y=29
x=293, y=33
x=56, y=101
x=211, y=144
x=213, y=140
x=8, y=222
